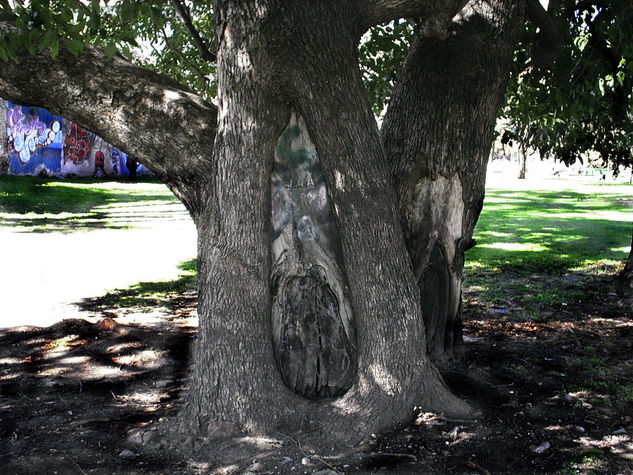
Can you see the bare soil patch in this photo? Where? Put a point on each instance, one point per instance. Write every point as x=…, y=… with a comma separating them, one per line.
x=556, y=396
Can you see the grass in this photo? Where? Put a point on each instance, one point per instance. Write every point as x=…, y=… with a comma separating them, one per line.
x=47, y=204
x=574, y=230
x=149, y=295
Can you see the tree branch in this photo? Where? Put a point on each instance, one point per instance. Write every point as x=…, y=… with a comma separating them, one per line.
x=434, y=15
x=198, y=41
x=168, y=128
x=549, y=41
x=183, y=58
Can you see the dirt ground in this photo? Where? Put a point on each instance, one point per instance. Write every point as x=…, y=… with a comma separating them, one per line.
x=553, y=398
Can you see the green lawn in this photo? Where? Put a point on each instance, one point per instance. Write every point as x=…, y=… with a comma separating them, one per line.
x=536, y=245
x=50, y=204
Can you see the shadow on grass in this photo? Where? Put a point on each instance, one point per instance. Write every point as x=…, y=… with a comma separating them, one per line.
x=53, y=205
x=170, y=294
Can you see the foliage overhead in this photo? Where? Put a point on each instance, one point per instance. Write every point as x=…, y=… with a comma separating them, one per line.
x=156, y=34
x=381, y=53
x=583, y=102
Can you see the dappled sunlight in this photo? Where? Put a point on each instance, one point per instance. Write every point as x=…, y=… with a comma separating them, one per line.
x=515, y=246
x=552, y=230
x=146, y=359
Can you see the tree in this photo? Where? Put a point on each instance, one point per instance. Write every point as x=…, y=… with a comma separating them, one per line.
x=583, y=101
x=310, y=308
x=437, y=134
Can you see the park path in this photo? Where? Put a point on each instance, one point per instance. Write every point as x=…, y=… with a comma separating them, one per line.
x=45, y=275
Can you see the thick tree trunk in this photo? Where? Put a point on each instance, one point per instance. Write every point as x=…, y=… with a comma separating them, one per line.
x=624, y=281
x=305, y=291
x=309, y=309
x=437, y=134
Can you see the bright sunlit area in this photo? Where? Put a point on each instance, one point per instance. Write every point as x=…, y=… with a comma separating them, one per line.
x=65, y=241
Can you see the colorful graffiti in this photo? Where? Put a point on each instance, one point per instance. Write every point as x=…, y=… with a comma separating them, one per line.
x=312, y=319
x=40, y=143
x=77, y=145
x=26, y=136
x=34, y=140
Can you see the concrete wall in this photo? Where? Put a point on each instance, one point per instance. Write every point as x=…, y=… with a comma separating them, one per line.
x=39, y=143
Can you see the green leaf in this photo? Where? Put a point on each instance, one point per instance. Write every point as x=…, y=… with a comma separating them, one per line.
x=75, y=46
x=110, y=50
x=55, y=48
x=47, y=39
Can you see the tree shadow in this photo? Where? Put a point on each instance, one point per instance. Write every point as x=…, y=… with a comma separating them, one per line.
x=47, y=205
x=72, y=391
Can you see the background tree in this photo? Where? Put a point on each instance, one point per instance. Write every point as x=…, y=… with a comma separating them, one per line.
x=582, y=102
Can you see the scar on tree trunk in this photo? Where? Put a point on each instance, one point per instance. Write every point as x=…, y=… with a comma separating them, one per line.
x=312, y=321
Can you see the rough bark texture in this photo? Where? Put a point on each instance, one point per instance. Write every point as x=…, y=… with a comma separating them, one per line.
x=437, y=134
x=434, y=16
x=624, y=281
x=308, y=66
x=349, y=290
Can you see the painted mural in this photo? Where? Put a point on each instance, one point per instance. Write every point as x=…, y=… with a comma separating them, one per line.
x=34, y=139
x=39, y=143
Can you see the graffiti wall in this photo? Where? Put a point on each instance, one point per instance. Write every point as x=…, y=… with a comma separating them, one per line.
x=4, y=158
x=39, y=143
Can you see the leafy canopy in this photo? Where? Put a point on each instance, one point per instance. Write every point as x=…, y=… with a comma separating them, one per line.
x=584, y=101
x=581, y=103
x=154, y=34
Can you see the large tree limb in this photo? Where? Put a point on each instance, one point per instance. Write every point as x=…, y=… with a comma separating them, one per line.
x=549, y=41
x=434, y=15
x=165, y=126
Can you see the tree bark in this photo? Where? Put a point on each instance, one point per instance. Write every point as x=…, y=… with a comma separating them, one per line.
x=523, y=162
x=437, y=134
x=624, y=280
x=309, y=308
x=306, y=78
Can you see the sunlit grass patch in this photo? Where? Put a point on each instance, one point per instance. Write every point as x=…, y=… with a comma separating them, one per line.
x=149, y=295
x=538, y=248
x=49, y=204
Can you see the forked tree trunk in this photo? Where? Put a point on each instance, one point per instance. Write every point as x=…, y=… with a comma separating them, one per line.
x=437, y=134
x=305, y=290
x=309, y=310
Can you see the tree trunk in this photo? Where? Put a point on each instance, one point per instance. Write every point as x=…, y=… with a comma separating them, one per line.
x=624, y=281
x=437, y=134
x=4, y=151
x=309, y=311
x=523, y=160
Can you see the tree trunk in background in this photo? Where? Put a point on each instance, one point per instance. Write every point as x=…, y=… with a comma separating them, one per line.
x=523, y=160
x=305, y=291
x=624, y=281
x=437, y=135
